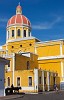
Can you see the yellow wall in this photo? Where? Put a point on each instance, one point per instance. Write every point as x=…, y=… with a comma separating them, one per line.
x=51, y=65
x=63, y=48
x=8, y=74
x=4, y=47
x=21, y=62
x=24, y=77
x=48, y=50
x=25, y=46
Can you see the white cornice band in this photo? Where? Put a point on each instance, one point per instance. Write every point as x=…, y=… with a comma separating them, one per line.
x=51, y=57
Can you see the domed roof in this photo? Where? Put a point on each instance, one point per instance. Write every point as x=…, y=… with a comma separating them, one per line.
x=18, y=19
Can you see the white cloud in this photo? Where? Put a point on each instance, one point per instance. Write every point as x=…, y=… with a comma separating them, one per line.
x=0, y=47
x=3, y=20
x=47, y=25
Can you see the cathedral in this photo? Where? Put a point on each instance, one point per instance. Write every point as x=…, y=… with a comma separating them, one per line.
x=34, y=65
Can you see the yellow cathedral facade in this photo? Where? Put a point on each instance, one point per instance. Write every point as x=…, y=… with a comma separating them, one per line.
x=34, y=65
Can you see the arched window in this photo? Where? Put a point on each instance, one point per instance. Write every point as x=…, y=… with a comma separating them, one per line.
x=28, y=65
x=30, y=81
x=12, y=33
x=18, y=81
x=24, y=33
x=18, y=32
x=8, y=81
x=29, y=33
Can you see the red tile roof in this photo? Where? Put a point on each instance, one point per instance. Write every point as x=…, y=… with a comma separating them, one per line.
x=18, y=19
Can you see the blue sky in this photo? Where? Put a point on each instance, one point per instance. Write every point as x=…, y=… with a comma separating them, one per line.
x=46, y=16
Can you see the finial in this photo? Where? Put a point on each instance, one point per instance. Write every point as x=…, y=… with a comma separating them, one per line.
x=19, y=3
x=18, y=9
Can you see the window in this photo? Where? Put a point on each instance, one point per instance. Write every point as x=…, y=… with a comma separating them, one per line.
x=54, y=80
x=30, y=81
x=30, y=44
x=18, y=81
x=24, y=33
x=8, y=81
x=39, y=80
x=44, y=80
x=8, y=34
x=20, y=45
x=29, y=33
x=12, y=46
x=18, y=32
x=12, y=33
x=28, y=64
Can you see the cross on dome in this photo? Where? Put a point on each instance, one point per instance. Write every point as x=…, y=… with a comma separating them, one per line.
x=19, y=3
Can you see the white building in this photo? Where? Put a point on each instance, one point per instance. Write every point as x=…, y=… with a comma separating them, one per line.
x=3, y=62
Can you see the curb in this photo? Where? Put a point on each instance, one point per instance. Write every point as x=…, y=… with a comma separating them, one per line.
x=11, y=97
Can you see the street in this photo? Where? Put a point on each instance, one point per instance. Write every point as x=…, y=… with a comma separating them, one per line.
x=41, y=96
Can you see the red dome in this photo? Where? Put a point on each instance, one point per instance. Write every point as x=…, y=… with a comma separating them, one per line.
x=18, y=20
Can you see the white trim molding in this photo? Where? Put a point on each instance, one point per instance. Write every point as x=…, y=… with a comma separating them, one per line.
x=51, y=57
x=28, y=88
x=24, y=38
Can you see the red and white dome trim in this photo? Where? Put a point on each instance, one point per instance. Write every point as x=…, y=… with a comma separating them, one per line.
x=18, y=20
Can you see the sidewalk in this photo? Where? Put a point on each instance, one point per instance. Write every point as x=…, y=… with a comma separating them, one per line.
x=11, y=97
x=16, y=96
x=45, y=92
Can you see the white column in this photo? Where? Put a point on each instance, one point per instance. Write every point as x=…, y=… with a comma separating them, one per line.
x=10, y=34
x=15, y=33
x=36, y=80
x=43, y=80
x=61, y=53
x=4, y=92
x=48, y=81
x=13, y=66
x=22, y=33
x=7, y=36
x=62, y=69
x=27, y=33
